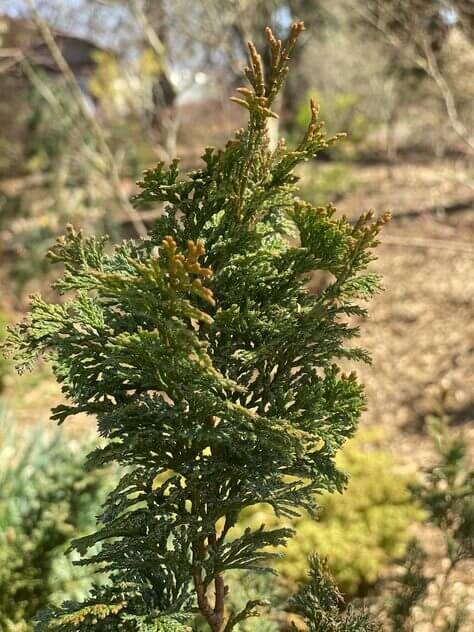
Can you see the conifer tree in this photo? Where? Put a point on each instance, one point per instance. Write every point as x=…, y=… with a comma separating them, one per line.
x=211, y=370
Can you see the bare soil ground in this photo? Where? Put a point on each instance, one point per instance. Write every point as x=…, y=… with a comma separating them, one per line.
x=421, y=328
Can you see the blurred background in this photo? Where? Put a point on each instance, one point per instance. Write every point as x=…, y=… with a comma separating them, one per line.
x=92, y=92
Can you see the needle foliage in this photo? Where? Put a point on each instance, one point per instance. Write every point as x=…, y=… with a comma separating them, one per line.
x=211, y=370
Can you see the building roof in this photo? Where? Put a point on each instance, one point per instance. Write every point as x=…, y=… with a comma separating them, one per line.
x=20, y=38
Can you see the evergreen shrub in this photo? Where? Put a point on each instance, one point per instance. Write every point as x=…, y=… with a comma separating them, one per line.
x=213, y=373
x=45, y=499
x=360, y=533
x=445, y=490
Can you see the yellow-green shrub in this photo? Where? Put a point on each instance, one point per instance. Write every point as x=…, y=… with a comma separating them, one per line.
x=359, y=531
x=45, y=498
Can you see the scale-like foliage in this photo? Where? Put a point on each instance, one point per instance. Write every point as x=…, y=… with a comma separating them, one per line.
x=360, y=532
x=321, y=605
x=212, y=372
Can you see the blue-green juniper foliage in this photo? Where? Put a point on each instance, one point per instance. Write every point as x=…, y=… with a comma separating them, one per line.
x=212, y=371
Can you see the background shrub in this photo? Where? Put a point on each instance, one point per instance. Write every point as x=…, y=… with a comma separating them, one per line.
x=360, y=531
x=45, y=498
x=5, y=364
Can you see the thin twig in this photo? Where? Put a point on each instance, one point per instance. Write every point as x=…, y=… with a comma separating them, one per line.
x=420, y=242
x=76, y=92
x=426, y=62
x=432, y=69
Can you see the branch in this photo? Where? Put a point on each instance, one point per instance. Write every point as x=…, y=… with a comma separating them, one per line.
x=149, y=32
x=214, y=616
x=426, y=62
x=76, y=92
x=250, y=610
x=420, y=242
x=432, y=69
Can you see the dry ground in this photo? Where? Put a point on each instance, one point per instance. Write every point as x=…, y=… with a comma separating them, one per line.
x=421, y=328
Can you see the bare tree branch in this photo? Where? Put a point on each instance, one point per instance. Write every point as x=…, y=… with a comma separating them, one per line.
x=419, y=50
x=432, y=69
x=76, y=92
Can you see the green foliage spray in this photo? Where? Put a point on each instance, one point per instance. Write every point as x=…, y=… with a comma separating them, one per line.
x=212, y=372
